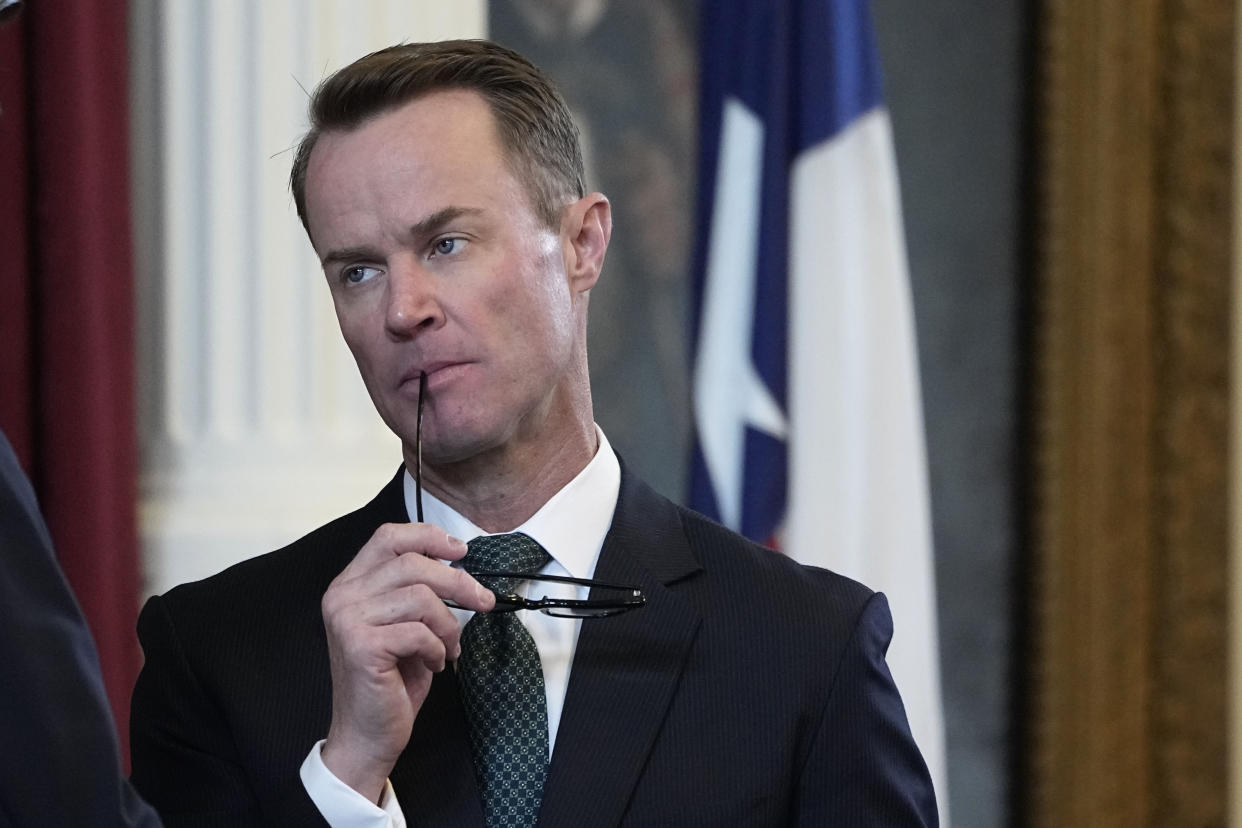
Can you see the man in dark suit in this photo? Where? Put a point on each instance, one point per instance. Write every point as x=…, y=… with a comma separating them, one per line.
x=441, y=187
x=61, y=763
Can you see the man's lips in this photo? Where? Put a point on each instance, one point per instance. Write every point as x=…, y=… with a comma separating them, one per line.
x=432, y=369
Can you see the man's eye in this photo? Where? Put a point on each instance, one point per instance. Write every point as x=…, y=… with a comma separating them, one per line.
x=447, y=246
x=358, y=274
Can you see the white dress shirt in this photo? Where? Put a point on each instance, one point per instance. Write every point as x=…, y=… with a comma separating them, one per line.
x=571, y=526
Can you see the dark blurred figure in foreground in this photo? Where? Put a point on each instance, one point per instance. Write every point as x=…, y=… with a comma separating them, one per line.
x=61, y=761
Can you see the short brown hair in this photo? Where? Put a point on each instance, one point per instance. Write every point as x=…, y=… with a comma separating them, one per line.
x=533, y=121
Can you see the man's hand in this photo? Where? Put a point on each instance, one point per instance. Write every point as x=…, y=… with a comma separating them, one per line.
x=388, y=632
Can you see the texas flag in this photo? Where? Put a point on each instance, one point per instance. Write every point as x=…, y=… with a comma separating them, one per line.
x=807, y=411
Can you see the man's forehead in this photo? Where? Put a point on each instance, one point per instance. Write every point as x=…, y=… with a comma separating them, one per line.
x=435, y=145
x=443, y=129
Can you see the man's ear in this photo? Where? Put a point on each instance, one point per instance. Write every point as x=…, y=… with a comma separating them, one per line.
x=586, y=227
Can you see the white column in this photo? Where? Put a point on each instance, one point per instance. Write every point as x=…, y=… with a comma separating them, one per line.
x=254, y=425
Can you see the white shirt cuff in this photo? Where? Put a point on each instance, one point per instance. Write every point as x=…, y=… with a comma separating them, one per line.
x=341, y=805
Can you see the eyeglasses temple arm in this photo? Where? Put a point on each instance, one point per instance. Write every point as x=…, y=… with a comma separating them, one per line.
x=418, y=448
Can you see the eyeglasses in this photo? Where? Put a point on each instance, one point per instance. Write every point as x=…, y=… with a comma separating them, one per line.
x=626, y=598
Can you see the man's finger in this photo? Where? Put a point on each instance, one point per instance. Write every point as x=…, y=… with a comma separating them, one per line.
x=414, y=602
x=392, y=540
x=414, y=641
x=411, y=569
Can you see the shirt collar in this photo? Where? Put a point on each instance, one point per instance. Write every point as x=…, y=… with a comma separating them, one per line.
x=571, y=526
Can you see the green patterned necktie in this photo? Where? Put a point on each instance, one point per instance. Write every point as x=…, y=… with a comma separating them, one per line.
x=502, y=687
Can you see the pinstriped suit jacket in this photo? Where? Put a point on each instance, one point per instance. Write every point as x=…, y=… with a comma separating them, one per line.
x=750, y=691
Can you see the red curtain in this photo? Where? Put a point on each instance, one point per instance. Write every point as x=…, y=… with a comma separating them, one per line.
x=67, y=304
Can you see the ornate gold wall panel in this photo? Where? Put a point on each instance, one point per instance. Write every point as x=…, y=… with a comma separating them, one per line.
x=1132, y=301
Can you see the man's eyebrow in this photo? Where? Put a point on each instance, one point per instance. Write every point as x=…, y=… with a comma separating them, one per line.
x=421, y=229
x=432, y=223
x=348, y=254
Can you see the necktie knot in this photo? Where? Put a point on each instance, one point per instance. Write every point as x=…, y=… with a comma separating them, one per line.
x=513, y=552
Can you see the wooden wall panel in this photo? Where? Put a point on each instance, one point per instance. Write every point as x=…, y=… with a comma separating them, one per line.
x=1134, y=174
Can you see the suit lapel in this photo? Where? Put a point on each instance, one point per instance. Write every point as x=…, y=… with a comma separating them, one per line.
x=626, y=668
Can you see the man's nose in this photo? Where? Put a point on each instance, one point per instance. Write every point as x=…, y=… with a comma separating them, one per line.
x=413, y=304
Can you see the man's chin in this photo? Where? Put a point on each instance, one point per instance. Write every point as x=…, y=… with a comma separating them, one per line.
x=455, y=455
x=461, y=447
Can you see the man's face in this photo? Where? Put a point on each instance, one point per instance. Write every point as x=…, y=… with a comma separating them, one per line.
x=437, y=262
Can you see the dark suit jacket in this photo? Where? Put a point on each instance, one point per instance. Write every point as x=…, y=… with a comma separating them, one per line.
x=750, y=691
x=59, y=763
